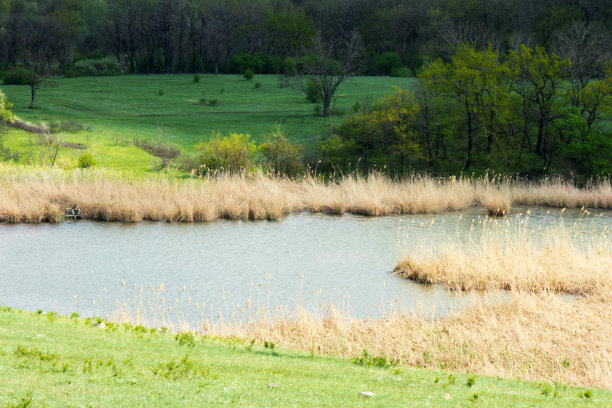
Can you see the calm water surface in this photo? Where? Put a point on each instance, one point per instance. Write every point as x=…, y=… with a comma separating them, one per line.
x=303, y=259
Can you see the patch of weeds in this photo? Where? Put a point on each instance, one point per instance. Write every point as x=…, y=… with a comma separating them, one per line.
x=269, y=345
x=51, y=316
x=470, y=381
x=22, y=402
x=196, y=78
x=39, y=311
x=548, y=390
x=565, y=363
x=184, y=368
x=23, y=352
x=161, y=92
x=250, y=346
x=586, y=394
x=74, y=315
x=185, y=339
x=368, y=360
x=139, y=330
x=5, y=308
x=257, y=85
x=213, y=102
x=450, y=379
x=474, y=397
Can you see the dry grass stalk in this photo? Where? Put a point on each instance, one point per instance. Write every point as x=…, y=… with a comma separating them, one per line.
x=511, y=256
x=536, y=337
x=40, y=194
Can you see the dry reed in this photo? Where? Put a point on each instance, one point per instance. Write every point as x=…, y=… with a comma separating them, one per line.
x=41, y=194
x=510, y=255
x=533, y=336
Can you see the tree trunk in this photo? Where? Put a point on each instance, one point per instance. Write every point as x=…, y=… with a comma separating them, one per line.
x=33, y=88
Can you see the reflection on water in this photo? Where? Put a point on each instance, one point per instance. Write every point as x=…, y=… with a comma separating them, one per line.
x=306, y=259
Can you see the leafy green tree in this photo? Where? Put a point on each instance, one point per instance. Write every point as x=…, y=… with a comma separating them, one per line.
x=537, y=77
x=477, y=82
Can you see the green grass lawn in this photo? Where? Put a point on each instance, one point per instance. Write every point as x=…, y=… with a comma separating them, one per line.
x=55, y=361
x=130, y=105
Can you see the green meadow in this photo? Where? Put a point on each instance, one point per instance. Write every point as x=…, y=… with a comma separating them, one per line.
x=47, y=360
x=138, y=105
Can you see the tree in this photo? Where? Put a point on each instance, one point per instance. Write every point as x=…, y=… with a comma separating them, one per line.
x=330, y=63
x=234, y=154
x=537, y=77
x=477, y=82
x=6, y=116
x=588, y=46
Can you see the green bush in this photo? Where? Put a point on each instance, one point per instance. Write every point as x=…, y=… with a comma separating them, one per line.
x=86, y=161
x=312, y=92
x=5, y=108
x=234, y=153
x=385, y=63
x=289, y=67
x=281, y=156
x=97, y=67
x=248, y=75
x=16, y=76
x=402, y=72
x=196, y=78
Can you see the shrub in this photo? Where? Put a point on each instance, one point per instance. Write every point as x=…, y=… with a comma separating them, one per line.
x=289, y=67
x=312, y=92
x=5, y=109
x=213, y=102
x=385, y=63
x=196, y=78
x=97, y=67
x=16, y=76
x=257, y=85
x=161, y=92
x=85, y=160
x=235, y=153
x=402, y=72
x=248, y=75
x=282, y=156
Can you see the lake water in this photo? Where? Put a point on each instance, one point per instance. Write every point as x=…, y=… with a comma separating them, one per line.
x=207, y=268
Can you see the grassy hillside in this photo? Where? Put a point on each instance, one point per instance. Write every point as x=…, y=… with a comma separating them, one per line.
x=132, y=105
x=54, y=361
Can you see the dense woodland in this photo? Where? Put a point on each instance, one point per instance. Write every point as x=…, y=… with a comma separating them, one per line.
x=522, y=86
x=172, y=36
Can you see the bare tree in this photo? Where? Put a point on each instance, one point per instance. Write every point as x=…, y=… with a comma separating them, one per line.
x=475, y=35
x=589, y=47
x=330, y=63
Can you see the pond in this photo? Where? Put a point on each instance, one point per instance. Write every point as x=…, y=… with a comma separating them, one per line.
x=209, y=268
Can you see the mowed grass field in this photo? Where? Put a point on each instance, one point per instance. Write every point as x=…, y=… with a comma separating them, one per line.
x=53, y=361
x=131, y=105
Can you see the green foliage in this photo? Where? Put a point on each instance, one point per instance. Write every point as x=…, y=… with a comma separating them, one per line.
x=248, y=75
x=6, y=115
x=368, y=360
x=234, y=153
x=86, y=161
x=161, y=92
x=258, y=63
x=196, y=79
x=280, y=155
x=386, y=63
x=185, y=339
x=97, y=67
x=312, y=91
x=17, y=76
x=402, y=72
x=289, y=67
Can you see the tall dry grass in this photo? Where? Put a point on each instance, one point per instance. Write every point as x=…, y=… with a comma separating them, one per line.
x=41, y=194
x=534, y=336
x=511, y=255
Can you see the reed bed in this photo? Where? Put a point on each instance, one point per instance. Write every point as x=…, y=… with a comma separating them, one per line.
x=537, y=336
x=41, y=194
x=512, y=255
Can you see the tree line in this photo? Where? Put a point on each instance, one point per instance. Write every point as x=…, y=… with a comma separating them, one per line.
x=228, y=36
x=527, y=111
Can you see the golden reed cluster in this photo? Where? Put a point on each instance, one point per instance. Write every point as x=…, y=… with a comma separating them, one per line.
x=41, y=195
